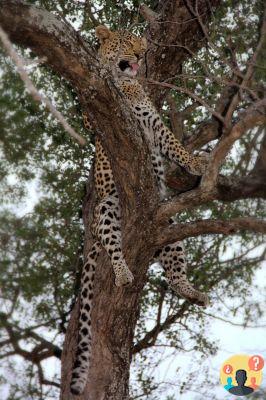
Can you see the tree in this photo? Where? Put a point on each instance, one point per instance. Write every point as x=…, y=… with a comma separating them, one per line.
x=186, y=51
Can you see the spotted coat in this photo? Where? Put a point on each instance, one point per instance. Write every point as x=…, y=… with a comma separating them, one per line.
x=124, y=51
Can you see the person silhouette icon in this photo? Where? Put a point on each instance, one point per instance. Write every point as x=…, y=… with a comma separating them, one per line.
x=229, y=384
x=241, y=389
x=253, y=383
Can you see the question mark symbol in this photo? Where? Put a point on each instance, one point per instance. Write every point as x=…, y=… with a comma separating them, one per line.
x=227, y=369
x=256, y=362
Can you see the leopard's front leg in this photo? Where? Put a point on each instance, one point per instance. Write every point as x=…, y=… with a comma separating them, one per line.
x=161, y=137
x=107, y=228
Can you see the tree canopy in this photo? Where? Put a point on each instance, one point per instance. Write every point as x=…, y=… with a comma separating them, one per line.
x=219, y=81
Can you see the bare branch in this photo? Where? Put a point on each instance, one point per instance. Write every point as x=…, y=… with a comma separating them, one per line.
x=248, y=74
x=177, y=232
x=190, y=94
x=89, y=13
x=8, y=354
x=44, y=381
x=233, y=66
x=176, y=118
x=232, y=322
x=254, y=116
x=151, y=336
x=148, y=14
x=175, y=18
x=37, y=96
x=4, y=343
x=228, y=189
x=44, y=349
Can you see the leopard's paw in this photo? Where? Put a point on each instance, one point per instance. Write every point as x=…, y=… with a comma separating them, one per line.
x=199, y=164
x=123, y=277
x=192, y=295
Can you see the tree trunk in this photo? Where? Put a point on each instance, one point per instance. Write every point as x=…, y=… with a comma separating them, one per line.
x=114, y=316
x=115, y=310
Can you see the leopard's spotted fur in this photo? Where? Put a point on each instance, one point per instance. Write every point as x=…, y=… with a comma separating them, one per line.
x=124, y=50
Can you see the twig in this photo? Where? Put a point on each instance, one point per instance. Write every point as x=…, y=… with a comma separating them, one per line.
x=232, y=322
x=151, y=336
x=196, y=59
x=253, y=116
x=88, y=12
x=249, y=72
x=34, y=63
x=20, y=64
x=43, y=380
x=190, y=94
x=195, y=12
x=221, y=81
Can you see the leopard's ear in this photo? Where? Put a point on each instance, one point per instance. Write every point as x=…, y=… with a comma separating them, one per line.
x=102, y=33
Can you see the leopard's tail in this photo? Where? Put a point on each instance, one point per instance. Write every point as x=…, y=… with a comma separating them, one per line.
x=81, y=365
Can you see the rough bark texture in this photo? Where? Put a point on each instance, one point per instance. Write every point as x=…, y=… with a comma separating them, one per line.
x=116, y=310
x=174, y=27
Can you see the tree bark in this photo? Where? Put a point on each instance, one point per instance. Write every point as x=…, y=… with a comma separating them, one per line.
x=115, y=310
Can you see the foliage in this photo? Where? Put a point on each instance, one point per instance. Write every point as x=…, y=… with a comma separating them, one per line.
x=43, y=175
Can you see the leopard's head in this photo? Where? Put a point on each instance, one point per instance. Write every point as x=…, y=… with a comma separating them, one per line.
x=121, y=48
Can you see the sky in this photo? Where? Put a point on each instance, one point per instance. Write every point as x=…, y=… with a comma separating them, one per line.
x=229, y=338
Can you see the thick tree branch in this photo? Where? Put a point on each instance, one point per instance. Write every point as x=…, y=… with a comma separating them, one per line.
x=44, y=349
x=177, y=232
x=227, y=189
x=37, y=96
x=69, y=56
x=148, y=14
x=48, y=37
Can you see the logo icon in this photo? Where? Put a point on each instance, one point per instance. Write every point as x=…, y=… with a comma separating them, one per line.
x=242, y=374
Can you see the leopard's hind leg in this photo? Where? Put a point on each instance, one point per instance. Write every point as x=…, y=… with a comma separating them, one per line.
x=107, y=228
x=172, y=258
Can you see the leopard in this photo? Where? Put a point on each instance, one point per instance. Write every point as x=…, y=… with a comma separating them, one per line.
x=123, y=51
